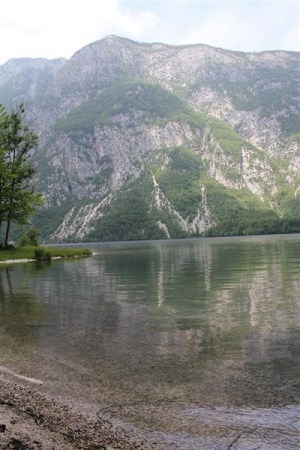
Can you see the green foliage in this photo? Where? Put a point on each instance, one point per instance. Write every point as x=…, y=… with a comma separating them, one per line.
x=295, y=137
x=228, y=139
x=30, y=237
x=101, y=178
x=179, y=181
x=266, y=89
x=130, y=218
x=11, y=253
x=289, y=203
x=245, y=216
x=238, y=212
x=49, y=219
x=123, y=98
x=40, y=254
x=255, y=225
x=32, y=252
x=18, y=199
x=180, y=174
x=182, y=191
x=68, y=252
x=183, y=160
x=133, y=215
x=157, y=104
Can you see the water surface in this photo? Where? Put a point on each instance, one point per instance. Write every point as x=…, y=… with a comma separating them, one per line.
x=199, y=339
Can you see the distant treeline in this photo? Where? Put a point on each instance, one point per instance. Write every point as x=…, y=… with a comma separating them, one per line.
x=267, y=226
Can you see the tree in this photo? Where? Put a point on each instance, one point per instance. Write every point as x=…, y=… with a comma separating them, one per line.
x=18, y=199
x=30, y=237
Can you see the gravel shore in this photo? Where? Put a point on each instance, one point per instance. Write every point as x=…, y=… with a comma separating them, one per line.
x=31, y=421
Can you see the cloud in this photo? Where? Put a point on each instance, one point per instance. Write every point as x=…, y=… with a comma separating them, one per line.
x=248, y=27
x=290, y=38
x=226, y=31
x=60, y=27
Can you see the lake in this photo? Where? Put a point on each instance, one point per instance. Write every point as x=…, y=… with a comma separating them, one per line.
x=197, y=340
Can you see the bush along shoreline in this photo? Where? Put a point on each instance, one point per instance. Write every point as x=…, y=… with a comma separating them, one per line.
x=40, y=253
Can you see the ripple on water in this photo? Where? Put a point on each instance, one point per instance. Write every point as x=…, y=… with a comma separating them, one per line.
x=263, y=428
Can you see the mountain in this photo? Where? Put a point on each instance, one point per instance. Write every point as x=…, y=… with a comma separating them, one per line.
x=143, y=141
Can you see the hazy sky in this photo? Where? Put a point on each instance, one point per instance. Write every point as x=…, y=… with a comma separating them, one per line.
x=60, y=27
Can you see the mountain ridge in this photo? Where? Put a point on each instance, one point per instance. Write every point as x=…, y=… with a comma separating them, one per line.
x=104, y=114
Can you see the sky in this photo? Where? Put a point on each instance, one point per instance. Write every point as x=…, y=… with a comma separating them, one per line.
x=58, y=28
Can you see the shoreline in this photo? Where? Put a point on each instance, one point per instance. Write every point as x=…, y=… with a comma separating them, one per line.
x=35, y=421
x=27, y=254
x=14, y=261
x=26, y=260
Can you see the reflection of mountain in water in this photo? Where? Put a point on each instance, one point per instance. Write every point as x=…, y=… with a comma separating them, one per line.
x=210, y=321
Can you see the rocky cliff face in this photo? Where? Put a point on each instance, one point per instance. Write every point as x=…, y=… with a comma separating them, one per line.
x=192, y=136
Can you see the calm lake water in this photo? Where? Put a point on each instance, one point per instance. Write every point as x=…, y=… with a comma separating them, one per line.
x=196, y=339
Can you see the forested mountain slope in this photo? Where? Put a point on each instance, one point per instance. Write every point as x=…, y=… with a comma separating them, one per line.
x=141, y=141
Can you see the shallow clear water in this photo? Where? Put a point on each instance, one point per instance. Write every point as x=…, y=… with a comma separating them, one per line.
x=188, y=337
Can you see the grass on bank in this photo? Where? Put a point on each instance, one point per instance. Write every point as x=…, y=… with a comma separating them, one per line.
x=41, y=253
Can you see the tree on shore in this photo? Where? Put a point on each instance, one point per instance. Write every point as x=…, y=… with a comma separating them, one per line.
x=18, y=199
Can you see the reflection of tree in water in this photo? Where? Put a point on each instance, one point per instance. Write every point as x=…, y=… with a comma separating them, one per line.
x=80, y=314
x=203, y=320
x=20, y=313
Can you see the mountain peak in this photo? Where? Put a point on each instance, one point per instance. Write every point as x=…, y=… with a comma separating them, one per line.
x=152, y=140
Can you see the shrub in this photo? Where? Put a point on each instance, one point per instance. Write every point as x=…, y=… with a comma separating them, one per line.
x=42, y=255
x=31, y=237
